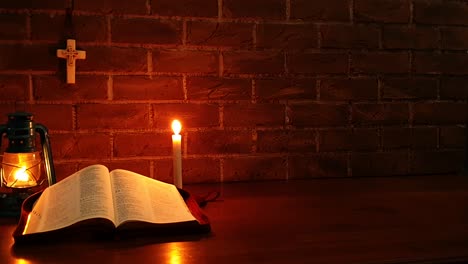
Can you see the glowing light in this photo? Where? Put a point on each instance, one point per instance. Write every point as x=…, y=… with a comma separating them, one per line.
x=175, y=259
x=27, y=224
x=174, y=254
x=22, y=261
x=177, y=153
x=176, y=127
x=21, y=175
x=21, y=170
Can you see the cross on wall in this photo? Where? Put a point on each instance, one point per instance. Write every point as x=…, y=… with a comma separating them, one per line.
x=71, y=54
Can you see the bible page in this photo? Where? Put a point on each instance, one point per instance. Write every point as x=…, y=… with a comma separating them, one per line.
x=85, y=194
x=139, y=198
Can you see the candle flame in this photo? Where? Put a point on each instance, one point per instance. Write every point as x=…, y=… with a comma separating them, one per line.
x=176, y=127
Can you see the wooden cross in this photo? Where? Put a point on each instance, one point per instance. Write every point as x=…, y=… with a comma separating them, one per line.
x=71, y=54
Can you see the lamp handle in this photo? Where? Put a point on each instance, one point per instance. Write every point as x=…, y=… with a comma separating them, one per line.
x=3, y=129
x=46, y=150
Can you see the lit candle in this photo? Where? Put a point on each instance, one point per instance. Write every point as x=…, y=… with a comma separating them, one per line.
x=177, y=153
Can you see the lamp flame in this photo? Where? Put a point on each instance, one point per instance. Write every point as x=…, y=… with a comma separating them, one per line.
x=21, y=175
x=176, y=127
x=21, y=170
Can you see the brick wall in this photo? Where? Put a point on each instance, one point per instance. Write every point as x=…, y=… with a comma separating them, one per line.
x=265, y=89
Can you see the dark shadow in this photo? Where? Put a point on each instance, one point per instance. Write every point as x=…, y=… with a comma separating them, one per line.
x=57, y=250
x=465, y=168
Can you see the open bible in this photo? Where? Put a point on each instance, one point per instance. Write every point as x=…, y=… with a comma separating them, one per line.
x=119, y=199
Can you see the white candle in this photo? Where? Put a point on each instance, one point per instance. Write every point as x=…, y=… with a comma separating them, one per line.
x=177, y=153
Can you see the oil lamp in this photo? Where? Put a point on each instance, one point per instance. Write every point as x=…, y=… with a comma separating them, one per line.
x=22, y=164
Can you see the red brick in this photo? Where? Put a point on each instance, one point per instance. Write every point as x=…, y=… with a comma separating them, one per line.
x=347, y=139
x=449, y=63
x=81, y=146
x=145, y=30
x=318, y=63
x=396, y=137
x=221, y=34
x=194, y=170
x=185, y=61
x=286, y=141
x=113, y=59
x=318, y=166
x=454, y=38
x=41, y=115
x=33, y=4
x=380, y=113
x=254, y=115
x=453, y=137
x=13, y=26
x=410, y=37
x=112, y=6
x=143, y=144
x=213, y=88
x=348, y=89
x=138, y=166
x=162, y=170
x=47, y=27
x=418, y=137
x=27, y=57
x=265, y=9
x=440, y=12
x=48, y=88
x=54, y=117
x=285, y=89
x=388, y=11
x=380, y=62
x=349, y=36
x=254, y=169
x=6, y=109
x=440, y=113
x=219, y=142
x=63, y=170
x=379, y=164
x=147, y=88
x=287, y=36
x=190, y=115
x=113, y=116
x=315, y=115
x=409, y=88
x=423, y=137
x=454, y=88
x=200, y=170
x=254, y=62
x=437, y=162
x=192, y=8
x=14, y=88
x=332, y=10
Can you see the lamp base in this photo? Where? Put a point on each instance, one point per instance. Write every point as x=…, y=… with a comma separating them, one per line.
x=10, y=204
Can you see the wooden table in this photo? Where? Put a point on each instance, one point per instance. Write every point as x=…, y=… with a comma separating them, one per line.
x=368, y=220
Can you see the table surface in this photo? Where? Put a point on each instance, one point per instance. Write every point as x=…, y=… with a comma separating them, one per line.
x=420, y=219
